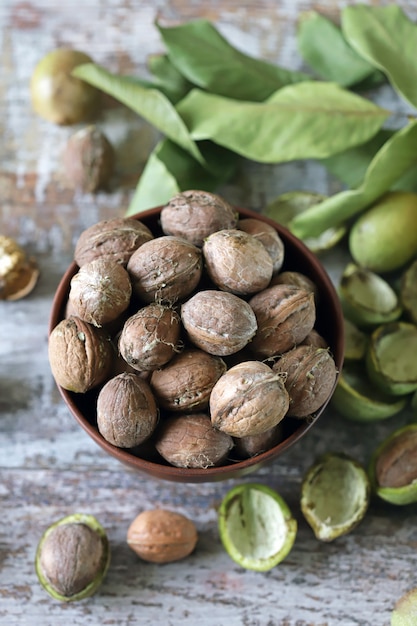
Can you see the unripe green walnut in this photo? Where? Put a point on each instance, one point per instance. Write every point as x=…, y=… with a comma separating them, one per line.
x=59, y=97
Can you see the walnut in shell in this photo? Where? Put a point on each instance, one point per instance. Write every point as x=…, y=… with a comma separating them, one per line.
x=100, y=291
x=310, y=375
x=298, y=279
x=127, y=413
x=80, y=355
x=18, y=273
x=218, y=322
x=237, y=262
x=185, y=383
x=268, y=236
x=285, y=314
x=165, y=269
x=194, y=215
x=115, y=239
x=248, y=399
x=88, y=159
x=150, y=337
x=252, y=445
x=191, y=441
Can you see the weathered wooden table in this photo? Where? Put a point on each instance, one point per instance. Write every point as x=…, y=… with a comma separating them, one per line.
x=50, y=467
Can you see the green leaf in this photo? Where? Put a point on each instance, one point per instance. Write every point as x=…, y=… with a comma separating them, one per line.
x=150, y=103
x=391, y=162
x=209, y=61
x=385, y=37
x=168, y=79
x=323, y=46
x=307, y=120
x=171, y=169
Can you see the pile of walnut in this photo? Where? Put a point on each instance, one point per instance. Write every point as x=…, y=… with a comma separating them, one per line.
x=194, y=340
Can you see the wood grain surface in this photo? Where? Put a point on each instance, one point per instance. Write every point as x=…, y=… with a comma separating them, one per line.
x=49, y=467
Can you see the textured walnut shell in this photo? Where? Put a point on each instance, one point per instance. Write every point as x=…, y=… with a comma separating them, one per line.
x=185, y=383
x=248, y=399
x=268, y=236
x=150, y=337
x=115, y=239
x=80, y=355
x=252, y=445
x=237, y=262
x=88, y=159
x=218, y=322
x=100, y=291
x=194, y=215
x=315, y=339
x=162, y=536
x=165, y=269
x=191, y=441
x=297, y=279
x=285, y=314
x=127, y=413
x=310, y=376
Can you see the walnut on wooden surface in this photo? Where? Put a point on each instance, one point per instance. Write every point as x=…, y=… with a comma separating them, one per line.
x=285, y=314
x=268, y=236
x=18, y=273
x=115, y=239
x=127, y=413
x=150, y=337
x=88, y=159
x=80, y=355
x=165, y=269
x=237, y=262
x=185, y=383
x=218, y=322
x=248, y=399
x=100, y=291
x=191, y=441
x=194, y=215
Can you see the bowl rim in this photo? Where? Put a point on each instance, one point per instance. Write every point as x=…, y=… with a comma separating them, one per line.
x=234, y=468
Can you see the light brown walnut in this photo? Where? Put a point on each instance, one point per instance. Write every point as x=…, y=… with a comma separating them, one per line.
x=268, y=236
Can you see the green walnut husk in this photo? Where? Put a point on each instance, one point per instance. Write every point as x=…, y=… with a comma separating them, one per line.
x=405, y=610
x=72, y=557
x=391, y=358
x=367, y=299
x=357, y=399
x=393, y=467
x=335, y=495
x=288, y=205
x=356, y=341
x=256, y=526
x=408, y=292
x=384, y=238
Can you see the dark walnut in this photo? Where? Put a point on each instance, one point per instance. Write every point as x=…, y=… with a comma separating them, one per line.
x=218, y=322
x=237, y=262
x=396, y=464
x=298, y=280
x=248, y=399
x=285, y=314
x=165, y=269
x=252, y=445
x=100, y=291
x=80, y=355
x=127, y=413
x=114, y=239
x=185, y=383
x=191, y=441
x=310, y=375
x=268, y=236
x=194, y=215
x=150, y=337
x=88, y=160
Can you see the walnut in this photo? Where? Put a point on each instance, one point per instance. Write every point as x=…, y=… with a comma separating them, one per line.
x=315, y=339
x=150, y=337
x=218, y=322
x=194, y=215
x=100, y=291
x=248, y=399
x=252, y=445
x=185, y=383
x=310, y=375
x=165, y=269
x=127, y=413
x=88, y=159
x=162, y=536
x=285, y=314
x=18, y=274
x=115, y=239
x=191, y=441
x=297, y=279
x=268, y=236
x=237, y=262
x=80, y=355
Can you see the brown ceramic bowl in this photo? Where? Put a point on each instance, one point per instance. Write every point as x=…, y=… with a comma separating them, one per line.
x=329, y=324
